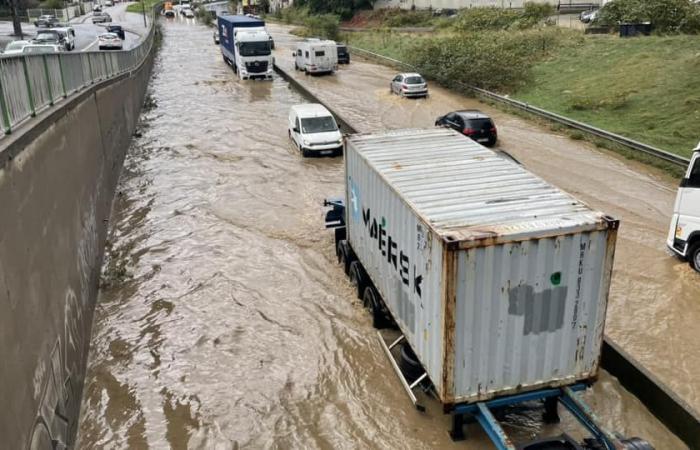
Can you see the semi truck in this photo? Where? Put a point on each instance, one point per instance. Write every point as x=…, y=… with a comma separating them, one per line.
x=495, y=282
x=684, y=233
x=246, y=46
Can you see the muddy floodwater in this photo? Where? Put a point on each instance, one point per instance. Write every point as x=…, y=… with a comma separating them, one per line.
x=224, y=320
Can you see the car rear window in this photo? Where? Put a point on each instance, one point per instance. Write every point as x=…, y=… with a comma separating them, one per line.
x=480, y=124
x=414, y=80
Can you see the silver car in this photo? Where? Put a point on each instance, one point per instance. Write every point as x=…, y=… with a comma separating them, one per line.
x=409, y=85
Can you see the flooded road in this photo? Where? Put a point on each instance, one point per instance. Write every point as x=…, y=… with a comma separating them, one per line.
x=654, y=310
x=225, y=321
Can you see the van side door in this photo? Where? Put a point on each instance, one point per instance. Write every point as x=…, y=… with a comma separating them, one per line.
x=689, y=202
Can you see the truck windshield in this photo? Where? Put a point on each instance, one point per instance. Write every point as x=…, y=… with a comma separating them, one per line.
x=318, y=125
x=254, y=48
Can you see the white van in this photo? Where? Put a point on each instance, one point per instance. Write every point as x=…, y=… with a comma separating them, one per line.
x=684, y=235
x=316, y=56
x=313, y=129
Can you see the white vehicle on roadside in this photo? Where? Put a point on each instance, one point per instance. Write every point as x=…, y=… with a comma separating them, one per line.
x=66, y=36
x=313, y=130
x=15, y=47
x=110, y=41
x=316, y=56
x=684, y=234
x=41, y=48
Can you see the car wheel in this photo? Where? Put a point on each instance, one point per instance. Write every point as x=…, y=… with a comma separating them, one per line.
x=694, y=256
x=305, y=152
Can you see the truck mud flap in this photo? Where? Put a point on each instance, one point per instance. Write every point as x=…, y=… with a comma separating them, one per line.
x=406, y=386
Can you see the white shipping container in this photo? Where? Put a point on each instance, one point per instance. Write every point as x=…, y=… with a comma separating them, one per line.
x=498, y=280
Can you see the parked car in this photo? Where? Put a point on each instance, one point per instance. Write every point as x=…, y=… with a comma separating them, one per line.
x=343, y=54
x=47, y=38
x=47, y=20
x=15, y=47
x=118, y=30
x=96, y=8
x=41, y=48
x=684, y=234
x=110, y=41
x=409, y=85
x=216, y=37
x=102, y=17
x=471, y=123
x=588, y=16
x=313, y=130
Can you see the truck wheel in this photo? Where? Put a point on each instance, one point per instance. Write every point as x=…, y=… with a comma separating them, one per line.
x=694, y=256
x=409, y=364
x=357, y=278
x=306, y=153
x=345, y=256
x=371, y=300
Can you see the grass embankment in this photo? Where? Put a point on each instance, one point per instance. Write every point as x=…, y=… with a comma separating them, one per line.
x=138, y=7
x=645, y=88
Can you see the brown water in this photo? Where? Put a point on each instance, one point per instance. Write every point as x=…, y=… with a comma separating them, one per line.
x=227, y=322
x=654, y=311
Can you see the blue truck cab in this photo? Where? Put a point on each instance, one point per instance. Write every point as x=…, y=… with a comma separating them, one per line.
x=246, y=46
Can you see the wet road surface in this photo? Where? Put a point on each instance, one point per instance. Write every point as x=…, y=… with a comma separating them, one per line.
x=654, y=309
x=225, y=321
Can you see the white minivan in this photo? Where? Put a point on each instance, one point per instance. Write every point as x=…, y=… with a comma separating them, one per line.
x=313, y=130
x=684, y=235
x=316, y=56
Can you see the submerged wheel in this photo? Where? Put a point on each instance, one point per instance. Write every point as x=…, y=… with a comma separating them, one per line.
x=372, y=301
x=358, y=278
x=694, y=256
x=409, y=364
x=345, y=255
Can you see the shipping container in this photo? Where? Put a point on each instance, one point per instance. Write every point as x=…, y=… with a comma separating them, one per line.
x=498, y=280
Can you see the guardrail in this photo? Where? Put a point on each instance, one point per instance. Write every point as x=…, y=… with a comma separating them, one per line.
x=663, y=155
x=30, y=84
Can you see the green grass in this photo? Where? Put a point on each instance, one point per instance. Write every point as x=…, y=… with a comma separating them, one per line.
x=138, y=7
x=388, y=43
x=647, y=89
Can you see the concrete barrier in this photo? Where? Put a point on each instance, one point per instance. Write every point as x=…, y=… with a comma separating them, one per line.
x=58, y=173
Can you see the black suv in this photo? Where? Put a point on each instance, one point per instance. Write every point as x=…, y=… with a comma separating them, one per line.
x=343, y=55
x=471, y=123
x=116, y=29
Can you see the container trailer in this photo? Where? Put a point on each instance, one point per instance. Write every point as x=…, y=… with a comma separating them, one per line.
x=497, y=281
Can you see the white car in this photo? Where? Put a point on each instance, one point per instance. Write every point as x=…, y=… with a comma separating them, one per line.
x=684, y=234
x=110, y=41
x=109, y=3
x=41, y=48
x=313, y=130
x=188, y=13
x=409, y=85
x=15, y=47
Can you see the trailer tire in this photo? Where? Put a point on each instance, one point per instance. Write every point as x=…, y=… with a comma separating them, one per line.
x=694, y=256
x=409, y=364
x=371, y=300
x=345, y=256
x=358, y=278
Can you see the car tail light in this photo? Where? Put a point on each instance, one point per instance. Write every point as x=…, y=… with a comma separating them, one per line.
x=493, y=129
x=468, y=131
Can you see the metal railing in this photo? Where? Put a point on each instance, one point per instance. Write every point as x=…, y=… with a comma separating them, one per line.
x=29, y=84
x=663, y=155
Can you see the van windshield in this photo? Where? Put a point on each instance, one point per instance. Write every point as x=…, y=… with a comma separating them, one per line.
x=254, y=48
x=318, y=125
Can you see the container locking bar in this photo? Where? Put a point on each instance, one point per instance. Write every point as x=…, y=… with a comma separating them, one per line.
x=406, y=386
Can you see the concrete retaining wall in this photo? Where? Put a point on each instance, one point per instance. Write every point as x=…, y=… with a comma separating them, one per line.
x=57, y=181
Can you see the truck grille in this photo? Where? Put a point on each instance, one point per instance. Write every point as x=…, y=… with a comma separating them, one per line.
x=256, y=67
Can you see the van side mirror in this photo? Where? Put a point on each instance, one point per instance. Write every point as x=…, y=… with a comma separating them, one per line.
x=294, y=54
x=295, y=129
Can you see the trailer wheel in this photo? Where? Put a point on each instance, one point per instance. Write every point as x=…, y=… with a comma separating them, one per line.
x=358, y=278
x=371, y=300
x=345, y=256
x=409, y=364
x=694, y=256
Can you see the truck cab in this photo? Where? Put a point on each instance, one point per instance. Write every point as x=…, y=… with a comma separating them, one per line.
x=684, y=234
x=245, y=45
x=316, y=56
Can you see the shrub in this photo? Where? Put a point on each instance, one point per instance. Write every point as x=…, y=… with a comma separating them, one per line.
x=666, y=16
x=403, y=18
x=489, y=18
x=324, y=25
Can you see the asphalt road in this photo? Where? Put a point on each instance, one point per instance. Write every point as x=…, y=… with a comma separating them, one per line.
x=86, y=33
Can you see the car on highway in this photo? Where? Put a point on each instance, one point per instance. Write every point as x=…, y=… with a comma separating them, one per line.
x=101, y=17
x=216, y=36
x=409, y=85
x=472, y=123
x=313, y=130
x=187, y=12
x=684, y=234
x=343, y=54
x=47, y=38
x=118, y=30
x=65, y=36
x=110, y=41
x=15, y=47
x=41, y=48
x=46, y=20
